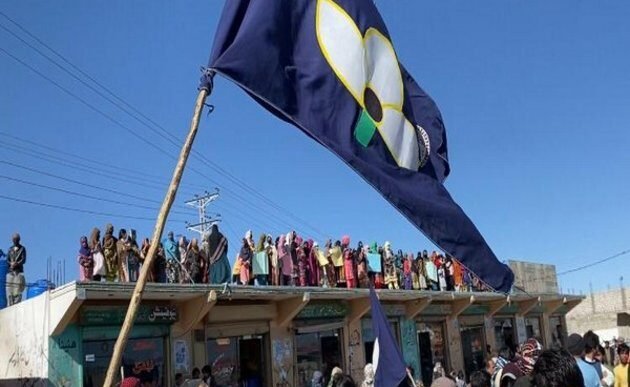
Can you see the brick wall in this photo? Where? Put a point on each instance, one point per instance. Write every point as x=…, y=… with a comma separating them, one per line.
x=599, y=311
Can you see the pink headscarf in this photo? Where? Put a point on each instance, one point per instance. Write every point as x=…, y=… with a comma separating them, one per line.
x=345, y=240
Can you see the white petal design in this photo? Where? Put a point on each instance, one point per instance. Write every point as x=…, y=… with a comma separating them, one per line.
x=383, y=71
x=341, y=43
x=401, y=139
x=376, y=353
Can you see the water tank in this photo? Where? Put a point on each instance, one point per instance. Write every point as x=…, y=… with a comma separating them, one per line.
x=37, y=288
x=3, y=280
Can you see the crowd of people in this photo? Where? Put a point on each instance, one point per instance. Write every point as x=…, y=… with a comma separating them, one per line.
x=286, y=260
x=584, y=363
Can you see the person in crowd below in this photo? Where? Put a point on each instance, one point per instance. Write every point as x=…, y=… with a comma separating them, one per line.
x=15, y=281
x=479, y=379
x=97, y=255
x=122, y=250
x=317, y=380
x=110, y=252
x=335, y=375
x=217, y=253
x=348, y=263
x=345, y=381
x=443, y=381
x=622, y=371
x=196, y=380
x=608, y=378
x=206, y=376
x=609, y=353
x=576, y=346
x=184, y=274
x=389, y=267
x=245, y=257
x=274, y=262
x=490, y=366
x=194, y=261
x=131, y=382
x=554, y=368
x=86, y=261
x=505, y=356
x=523, y=365
x=368, y=375
x=591, y=343
x=336, y=256
x=171, y=251
x=179, y=379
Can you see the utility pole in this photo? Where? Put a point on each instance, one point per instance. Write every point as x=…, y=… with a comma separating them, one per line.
x=205, y=221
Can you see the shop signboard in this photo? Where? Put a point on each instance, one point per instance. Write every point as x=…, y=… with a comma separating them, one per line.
x=115, y=315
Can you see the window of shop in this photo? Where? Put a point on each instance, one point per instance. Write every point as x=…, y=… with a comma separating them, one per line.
x=473, y=347
x=317, y=351
x=504, y=333
x=557, y=331
x=532, y=327
x=432, y=349
x=143, y=358
x=368, y=337
x=238, y=361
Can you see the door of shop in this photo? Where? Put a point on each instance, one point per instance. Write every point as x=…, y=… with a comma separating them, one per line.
x=473, y=346
x=142, y=358
x=426, y=358
x=238, y=361
x=319, y=351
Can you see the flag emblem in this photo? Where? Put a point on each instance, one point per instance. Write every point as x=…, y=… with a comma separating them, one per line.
x=368, y=68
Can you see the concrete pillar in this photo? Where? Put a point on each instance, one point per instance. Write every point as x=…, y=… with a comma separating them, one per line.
x=354, y=350
x=546, y=330
x=409, y=341
x=454, y=339
x=282, y=356
x=491, y=339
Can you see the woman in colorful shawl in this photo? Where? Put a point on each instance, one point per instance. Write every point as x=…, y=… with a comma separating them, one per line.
x=245, y=256
x=122, y=249
x=449, y=274
x=184, y=265
x=458, y=275
x=194, y=261
x=362, y=266
x=415, y=279
x=171, y=252
x=313, y=266
x=422, y=271
x=407, y=280
x=291, y=237
x=133, y=258
x=432, y=272
x=110, y=253
x=336, y=256
x=302, y=260
x=159, y=265
x=86, y=263
x=272, y=253
x=285, y=261
x=322, y=265
x=97, y=255
x=375, y=273
x=260, y=262
x=349, y=263
x=218, y=263
x=330, y=267
x=144, y=252
x=389, y=267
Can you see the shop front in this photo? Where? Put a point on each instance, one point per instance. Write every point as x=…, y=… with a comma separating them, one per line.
x=145, y=355
x=432, y=346
x=504, y=333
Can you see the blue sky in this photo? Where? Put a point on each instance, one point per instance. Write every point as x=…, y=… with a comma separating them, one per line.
x=534, y=97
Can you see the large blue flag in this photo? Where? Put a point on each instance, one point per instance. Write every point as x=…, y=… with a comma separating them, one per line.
x=389, y=366
x=329, y=67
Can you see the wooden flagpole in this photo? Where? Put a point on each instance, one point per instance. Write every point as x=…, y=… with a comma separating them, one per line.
x=136, y=298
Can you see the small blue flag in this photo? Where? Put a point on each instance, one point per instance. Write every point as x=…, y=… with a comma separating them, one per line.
x=329, y=68
x=389, y=366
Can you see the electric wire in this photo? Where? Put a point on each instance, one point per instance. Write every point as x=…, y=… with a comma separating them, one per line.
x=80, y=210
x=165, y=133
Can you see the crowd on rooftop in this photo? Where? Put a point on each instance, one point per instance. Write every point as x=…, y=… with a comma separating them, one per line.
x=284, y=260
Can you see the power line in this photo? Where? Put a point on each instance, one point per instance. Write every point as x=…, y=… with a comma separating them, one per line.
x=85, y=195
x=165, y=133
x=80, y=210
